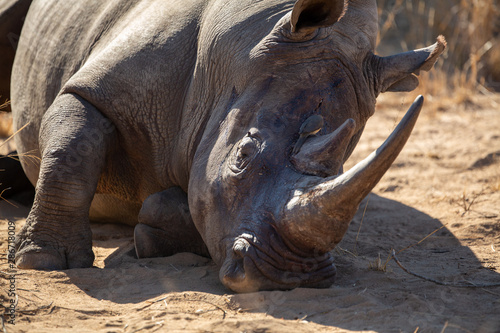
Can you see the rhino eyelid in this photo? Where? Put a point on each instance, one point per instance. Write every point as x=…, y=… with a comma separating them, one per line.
x=243, y=156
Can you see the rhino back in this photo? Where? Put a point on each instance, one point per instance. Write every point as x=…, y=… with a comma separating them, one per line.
x=131, y=59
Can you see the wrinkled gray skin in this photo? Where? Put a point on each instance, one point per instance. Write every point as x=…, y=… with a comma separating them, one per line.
x=134, y=99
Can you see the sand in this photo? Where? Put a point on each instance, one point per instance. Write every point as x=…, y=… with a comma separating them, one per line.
x=446, y=178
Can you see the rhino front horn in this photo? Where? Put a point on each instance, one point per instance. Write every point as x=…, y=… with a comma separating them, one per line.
x=319, y=212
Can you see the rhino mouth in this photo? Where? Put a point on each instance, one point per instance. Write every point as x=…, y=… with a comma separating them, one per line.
x=254, y=263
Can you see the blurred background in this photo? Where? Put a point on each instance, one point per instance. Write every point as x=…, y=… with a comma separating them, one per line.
x=471, y=63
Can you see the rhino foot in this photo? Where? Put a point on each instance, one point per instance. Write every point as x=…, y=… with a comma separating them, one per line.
x=40, y=260
x=34, y=251
x=51, y=259
x=166, y=228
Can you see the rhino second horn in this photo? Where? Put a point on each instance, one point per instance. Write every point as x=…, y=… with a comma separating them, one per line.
x=318, y=215
x=323, y=156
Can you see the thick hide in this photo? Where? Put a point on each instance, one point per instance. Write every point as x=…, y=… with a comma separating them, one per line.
x=230, y=121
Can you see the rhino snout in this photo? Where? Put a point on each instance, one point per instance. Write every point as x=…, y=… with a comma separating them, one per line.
x=233, y=273
x=251, y=265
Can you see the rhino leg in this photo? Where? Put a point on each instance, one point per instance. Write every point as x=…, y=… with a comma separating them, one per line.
x=165, y=226
x=74, y=139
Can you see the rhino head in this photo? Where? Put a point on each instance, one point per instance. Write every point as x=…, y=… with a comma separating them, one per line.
x=270, y=214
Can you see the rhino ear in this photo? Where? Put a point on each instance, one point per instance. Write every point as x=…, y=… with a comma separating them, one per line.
x=308, y=15
x=398, y=72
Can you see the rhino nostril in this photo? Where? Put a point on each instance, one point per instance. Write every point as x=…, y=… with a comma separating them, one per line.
x=235, y=277
x=233, y=273
x=238, y=253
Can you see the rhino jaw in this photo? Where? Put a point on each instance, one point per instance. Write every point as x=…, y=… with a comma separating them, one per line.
x=252, y=265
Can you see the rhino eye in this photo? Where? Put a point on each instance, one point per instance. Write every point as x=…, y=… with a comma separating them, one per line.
x=245, y=152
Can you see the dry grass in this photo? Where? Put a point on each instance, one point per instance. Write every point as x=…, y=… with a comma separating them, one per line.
x=466, y=200
x=471, y=65
x=378, y=265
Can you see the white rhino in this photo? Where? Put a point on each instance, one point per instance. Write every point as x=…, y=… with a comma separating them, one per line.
x=192, y=109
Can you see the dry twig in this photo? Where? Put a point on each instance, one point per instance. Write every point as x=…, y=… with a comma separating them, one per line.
x=429, y=235
x=471, y=285
x=34, y=311
x=360, y=224
x=19, y=130
x=2, y=198
x=212, y=304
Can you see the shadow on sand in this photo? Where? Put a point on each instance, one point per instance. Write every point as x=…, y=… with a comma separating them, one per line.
x=363, y=298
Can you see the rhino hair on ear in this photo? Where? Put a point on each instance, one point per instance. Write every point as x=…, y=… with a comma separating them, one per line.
x=309, y=15
x=399, y=72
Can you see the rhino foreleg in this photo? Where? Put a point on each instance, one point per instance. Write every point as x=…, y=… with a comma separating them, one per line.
x=165, y=226
x=74, y=139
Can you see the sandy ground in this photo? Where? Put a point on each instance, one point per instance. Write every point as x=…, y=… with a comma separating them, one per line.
x=447, y=178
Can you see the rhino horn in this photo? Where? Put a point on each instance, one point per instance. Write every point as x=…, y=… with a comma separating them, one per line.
x=316, y=155
x=399, y=72
x=317, y=217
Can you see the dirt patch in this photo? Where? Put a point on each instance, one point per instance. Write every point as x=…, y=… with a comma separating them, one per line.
x=431, y=187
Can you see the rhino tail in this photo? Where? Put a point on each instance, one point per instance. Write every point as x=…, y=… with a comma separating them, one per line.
x=12, y=14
